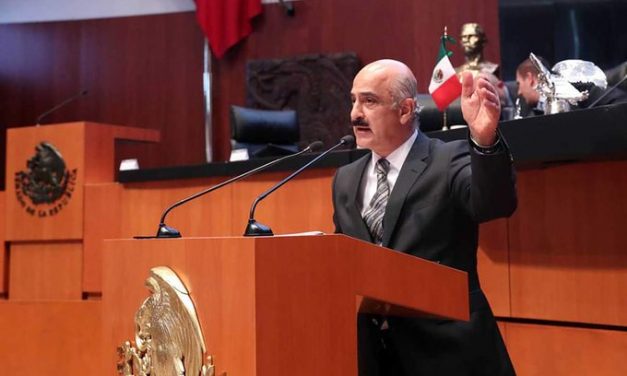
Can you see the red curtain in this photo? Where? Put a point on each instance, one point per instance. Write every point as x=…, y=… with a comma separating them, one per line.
x=226, y=22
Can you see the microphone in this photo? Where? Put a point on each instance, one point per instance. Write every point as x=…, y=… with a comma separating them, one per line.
x=53, y=109
x=165, y=231
x=607, y=92
x=255, y=228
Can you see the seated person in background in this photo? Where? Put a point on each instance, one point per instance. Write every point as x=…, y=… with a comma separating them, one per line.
x=532, y=103
x=527, y=79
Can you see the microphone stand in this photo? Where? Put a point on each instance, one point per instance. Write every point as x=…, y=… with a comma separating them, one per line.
x=255, y=228
x=165, y=231
x=53, y=109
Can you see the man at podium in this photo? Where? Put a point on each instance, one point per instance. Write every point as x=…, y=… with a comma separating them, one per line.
x=426, y=198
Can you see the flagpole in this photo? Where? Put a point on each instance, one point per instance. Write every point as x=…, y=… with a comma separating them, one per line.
x=207, y=84
x=444, y=126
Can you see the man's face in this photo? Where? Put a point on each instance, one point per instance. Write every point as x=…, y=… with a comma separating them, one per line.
x=470, y=39
x=527, y=88
x=377, y=123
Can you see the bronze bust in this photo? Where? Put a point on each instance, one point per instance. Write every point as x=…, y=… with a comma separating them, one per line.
x=473, y=40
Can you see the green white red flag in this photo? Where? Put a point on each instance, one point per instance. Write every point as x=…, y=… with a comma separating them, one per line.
x=445, y=86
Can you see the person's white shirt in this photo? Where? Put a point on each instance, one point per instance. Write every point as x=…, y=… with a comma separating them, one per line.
x=369, y=180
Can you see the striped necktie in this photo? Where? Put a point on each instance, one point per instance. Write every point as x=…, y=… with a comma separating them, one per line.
x=374, y=215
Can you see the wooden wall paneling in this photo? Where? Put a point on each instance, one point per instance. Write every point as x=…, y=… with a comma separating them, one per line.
x=63, y=218
x=144, y=203
x=493, y=265
x=538, y=350
x=141, y=71
x=38, y=70
x=46, y=271
x=100, y=142
x=568, y=242
x=43, y=338
x=303, y=204
x=102, y=220
x=146, y=72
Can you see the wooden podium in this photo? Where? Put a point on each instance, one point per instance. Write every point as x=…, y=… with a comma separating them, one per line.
x=47, y=170
x=282, y=305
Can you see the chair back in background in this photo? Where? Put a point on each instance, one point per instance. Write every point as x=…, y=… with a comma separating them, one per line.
x=431, y=119
x=264, y=132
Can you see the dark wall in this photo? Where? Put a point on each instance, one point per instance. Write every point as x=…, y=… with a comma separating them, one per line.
x=146, y=71
x=139, y=71
x=563, y=29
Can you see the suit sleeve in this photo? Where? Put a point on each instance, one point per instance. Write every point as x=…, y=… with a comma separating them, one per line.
x=483, y=184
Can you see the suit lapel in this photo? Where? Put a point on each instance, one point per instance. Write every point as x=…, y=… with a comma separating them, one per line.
x=413, y=166
x=360, y=228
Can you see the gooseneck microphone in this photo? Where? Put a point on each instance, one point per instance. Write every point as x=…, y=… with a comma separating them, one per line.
x=165, y=231
x=62, y=104
x=255, y=228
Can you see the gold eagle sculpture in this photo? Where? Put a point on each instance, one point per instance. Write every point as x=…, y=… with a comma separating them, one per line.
x=168, y=337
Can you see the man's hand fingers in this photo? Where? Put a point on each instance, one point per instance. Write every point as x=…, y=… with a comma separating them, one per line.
x=489, y=97
x=467, y=84
x=484, y=83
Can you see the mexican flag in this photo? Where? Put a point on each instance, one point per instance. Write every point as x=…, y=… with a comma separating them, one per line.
x=226, y=22
x=445, y=86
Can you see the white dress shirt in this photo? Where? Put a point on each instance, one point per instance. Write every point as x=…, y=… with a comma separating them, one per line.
x=369, y=180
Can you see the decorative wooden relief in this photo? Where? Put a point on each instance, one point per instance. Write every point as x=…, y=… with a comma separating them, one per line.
x=316, y=86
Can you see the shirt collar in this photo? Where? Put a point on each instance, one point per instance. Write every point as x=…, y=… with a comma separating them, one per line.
x=398, y=156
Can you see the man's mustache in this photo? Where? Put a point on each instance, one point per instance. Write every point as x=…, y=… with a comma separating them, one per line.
x=359, y=122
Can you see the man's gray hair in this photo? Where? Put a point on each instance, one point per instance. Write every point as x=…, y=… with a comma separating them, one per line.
x=406, y=87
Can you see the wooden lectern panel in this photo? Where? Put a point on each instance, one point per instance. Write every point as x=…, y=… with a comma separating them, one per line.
x=100, y=148
x=211, y=272
x=281, y=305
x=62, y=219
x=68, y=156
x=102, y=221
x=115, y=210
x=48, y=168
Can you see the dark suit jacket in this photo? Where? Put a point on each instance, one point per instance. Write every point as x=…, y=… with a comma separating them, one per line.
x=442, y=192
